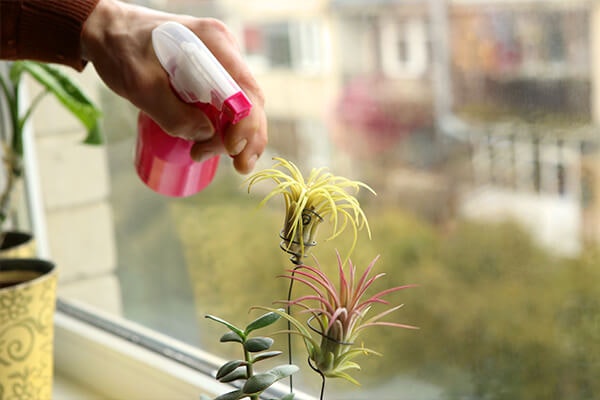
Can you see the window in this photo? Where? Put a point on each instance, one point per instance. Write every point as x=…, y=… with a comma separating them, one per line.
x=495, y=215
x=298, y=45
x=404, y=46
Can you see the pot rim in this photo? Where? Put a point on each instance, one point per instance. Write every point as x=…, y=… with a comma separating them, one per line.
x=43, y=267
x=17, y=238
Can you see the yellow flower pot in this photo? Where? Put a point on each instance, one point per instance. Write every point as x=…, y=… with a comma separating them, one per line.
x=16, y=244
x=27, y=304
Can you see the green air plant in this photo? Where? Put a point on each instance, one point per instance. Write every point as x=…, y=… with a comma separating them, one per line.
x=337, y=316
x=64, y=90
x=255, y=349
x=308, y=202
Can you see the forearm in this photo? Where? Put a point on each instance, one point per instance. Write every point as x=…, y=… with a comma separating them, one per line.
x=44, y=30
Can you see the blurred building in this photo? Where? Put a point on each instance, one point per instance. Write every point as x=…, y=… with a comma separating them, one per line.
x=399, y=85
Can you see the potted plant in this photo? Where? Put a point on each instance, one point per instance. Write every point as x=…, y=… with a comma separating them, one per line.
x=331, y=315
x=53, y=82
x=28, y=284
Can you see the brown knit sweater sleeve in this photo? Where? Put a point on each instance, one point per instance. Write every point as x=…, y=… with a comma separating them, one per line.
x=44, y=30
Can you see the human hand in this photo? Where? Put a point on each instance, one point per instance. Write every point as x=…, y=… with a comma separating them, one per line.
x=116, y=39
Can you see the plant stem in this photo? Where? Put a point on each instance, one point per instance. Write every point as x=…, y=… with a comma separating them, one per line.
x=249, y=370
x=318, y=371
x=289, y=324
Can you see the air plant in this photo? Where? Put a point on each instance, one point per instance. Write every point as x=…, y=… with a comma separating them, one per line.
x=308, y=202
x=337, y=316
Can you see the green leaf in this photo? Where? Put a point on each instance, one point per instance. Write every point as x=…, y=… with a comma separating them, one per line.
x=259, y=382
x=69, y=94
x=255, y=345
x=289, y=396
x=283, y=371
x=16, y=69
x=266, y=355
x=239, y=373
x=234, y=328
x=262, y=321
x=228, y=367
x=235, y=395
x=231, y=336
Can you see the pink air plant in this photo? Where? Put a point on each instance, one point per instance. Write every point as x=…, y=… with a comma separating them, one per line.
x=338, y=315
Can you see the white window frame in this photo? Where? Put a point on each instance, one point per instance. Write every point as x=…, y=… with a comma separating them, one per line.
x=309, y=44
x=413, y=31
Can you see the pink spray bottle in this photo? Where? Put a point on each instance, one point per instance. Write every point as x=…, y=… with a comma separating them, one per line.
x=163, y=161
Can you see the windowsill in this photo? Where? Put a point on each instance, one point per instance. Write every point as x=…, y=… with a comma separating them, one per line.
x=92, y=363
x=65, y=389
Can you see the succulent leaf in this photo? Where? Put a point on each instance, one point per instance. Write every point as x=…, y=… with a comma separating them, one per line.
x=262, y=322
x=235, y=395
x=234, y=328
x=228, y=367
x=254, y=345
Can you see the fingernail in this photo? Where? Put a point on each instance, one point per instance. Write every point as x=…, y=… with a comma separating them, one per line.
x=203, y=134
x=252, y=162
x=239, y=147
x=203, y=156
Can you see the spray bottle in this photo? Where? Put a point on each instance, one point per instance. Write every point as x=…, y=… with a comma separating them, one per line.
x=163, y=161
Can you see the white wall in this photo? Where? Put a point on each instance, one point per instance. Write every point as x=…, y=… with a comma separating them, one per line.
x=74, y=192
x=554, y=221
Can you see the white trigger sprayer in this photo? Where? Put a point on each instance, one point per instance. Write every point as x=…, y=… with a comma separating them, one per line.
x=163, y=161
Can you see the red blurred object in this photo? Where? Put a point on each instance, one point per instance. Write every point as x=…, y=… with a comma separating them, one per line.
x=373, y=114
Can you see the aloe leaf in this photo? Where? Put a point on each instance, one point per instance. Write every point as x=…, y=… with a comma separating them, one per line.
x=259, y=382
x=228, y=367
x=255, y=345
x=262, y=321
x=235, y=395
x=67, y=92
x=234, y=328
x=266, y=355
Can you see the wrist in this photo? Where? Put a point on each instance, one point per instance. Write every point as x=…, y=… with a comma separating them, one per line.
x=95, y=30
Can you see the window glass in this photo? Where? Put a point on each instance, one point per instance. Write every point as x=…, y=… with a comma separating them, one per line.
x=475, y=123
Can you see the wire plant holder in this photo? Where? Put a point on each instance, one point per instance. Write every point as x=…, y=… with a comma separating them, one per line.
x=299, y=243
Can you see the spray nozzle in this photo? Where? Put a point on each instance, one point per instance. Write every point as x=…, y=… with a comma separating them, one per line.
x=195, y=73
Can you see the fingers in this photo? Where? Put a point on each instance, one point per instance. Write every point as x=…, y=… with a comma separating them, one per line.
x=246, y=140
x=173, y=115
